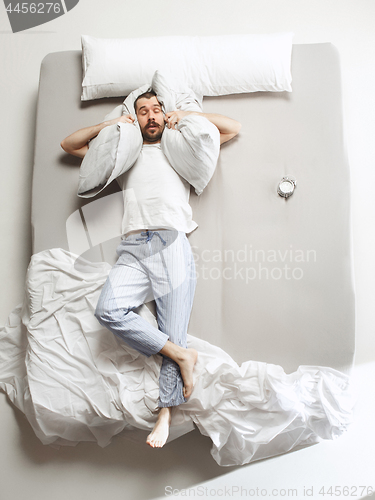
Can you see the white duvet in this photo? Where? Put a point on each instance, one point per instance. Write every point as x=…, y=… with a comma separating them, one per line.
x=75, y=381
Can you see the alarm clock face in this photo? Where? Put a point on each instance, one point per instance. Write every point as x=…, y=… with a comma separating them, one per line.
x=286, y=187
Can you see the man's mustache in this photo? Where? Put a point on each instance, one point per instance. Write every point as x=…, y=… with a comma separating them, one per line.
x=152, y=124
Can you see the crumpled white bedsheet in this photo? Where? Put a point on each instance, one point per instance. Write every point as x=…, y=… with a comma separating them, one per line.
x=75, y=381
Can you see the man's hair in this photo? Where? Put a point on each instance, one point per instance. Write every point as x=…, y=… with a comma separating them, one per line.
x=147, y=95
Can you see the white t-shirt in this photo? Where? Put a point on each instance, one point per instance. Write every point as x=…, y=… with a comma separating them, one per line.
x=155, y=195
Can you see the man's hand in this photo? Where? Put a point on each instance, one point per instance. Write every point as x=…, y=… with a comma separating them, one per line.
x=123, y=119
x=173, y=117
x=227, y=127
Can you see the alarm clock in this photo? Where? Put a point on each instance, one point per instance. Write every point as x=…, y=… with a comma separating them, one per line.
x=286, y=186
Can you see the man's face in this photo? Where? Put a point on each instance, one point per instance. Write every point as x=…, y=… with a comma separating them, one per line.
x=151, y=119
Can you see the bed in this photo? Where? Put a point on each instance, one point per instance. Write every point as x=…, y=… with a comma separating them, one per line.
x=275, y=278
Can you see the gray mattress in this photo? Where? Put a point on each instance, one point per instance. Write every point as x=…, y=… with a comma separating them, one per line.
x=275, y=279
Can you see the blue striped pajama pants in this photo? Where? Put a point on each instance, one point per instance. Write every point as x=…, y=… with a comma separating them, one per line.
x=155, y=265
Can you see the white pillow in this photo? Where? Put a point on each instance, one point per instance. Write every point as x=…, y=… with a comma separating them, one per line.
x=210, y=66
x=111, y=153
x=193, y=149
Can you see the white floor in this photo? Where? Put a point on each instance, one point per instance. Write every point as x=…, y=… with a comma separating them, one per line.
x=126, y=470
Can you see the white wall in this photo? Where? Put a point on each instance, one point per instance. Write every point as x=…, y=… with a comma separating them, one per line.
x=348, y=25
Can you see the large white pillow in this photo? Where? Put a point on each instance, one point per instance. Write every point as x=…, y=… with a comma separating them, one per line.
x=210, y=66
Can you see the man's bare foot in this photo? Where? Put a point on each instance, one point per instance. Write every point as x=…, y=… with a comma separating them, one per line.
x=186, y=363
x=160, y=433
x=186, y=359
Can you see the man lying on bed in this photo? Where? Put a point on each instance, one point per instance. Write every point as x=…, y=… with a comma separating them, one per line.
x=165, y=217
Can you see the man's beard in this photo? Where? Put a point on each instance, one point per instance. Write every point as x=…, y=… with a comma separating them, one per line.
x=153, y=136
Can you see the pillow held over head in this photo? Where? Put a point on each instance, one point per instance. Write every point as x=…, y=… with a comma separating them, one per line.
x=192, y=149
x=111, y=153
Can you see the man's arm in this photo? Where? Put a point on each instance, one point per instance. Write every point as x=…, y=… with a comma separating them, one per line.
x=228, y=127
x=77, y=143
